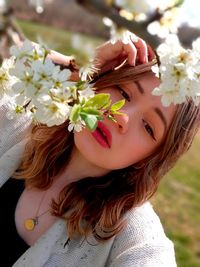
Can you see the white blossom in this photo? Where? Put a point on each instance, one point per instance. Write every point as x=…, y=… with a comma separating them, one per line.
x=196, y=50
x=52, y=113
x=42, y=70
x=40, y=88
x=38, y=53
x=76, y=126
x=62, y=95
x=80, y=44
x=86, y=93
x=61, y=78
x=6, y=81
x=14, y=110
x=86, y=72
x=24, y=80
x=21, y=51
x=155, y=69
x=143, y=6
x=179, y=72
x=135, y=6
x=169, y=23
x=119, y=34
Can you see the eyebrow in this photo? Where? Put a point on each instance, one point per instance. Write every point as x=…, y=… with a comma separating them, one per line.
x=157, y=110
x=162, y=117
x=139, y=87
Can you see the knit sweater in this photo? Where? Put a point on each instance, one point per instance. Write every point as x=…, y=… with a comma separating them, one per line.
x=142, y=243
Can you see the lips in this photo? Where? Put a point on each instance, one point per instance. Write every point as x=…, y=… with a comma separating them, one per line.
x=102, y=135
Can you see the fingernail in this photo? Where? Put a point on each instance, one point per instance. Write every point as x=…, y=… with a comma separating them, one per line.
x=132, y=62
x=145, y=59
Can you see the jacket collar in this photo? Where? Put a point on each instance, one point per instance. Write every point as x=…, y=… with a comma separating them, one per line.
x=10, y=161
x=39, y=253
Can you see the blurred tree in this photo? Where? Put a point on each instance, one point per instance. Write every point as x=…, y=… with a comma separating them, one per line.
x=152, y=20
x=108, y=9
x=9, y=31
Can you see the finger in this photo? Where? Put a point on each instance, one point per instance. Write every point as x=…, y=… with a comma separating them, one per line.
x=112, y=64
x=59, y=58
x=142, y=50
x=106, y=52
x=131, y=51
x=109, y=52
x=151, y=53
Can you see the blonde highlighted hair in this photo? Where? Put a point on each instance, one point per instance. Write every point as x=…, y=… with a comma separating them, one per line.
x=97, y=205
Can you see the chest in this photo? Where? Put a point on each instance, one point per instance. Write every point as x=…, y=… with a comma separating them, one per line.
x=33, y=214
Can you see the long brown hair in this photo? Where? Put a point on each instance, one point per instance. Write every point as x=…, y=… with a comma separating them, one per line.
x=97, y=205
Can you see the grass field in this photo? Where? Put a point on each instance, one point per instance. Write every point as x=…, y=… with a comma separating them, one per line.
x=178, y=199
x=178, y=204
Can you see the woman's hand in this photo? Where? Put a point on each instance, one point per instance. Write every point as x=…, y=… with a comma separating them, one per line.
x=136, y=51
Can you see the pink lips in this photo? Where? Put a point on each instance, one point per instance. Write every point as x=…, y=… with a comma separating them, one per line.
x=102, y=135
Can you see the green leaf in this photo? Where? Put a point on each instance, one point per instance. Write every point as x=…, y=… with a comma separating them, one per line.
x=83, y=114
x=75, y=113
x=91, y=111
x=110, y=117
x=98, y=101
x=117, y=112
x=73, y=90
x=178, y=3
x=117, y=105
x=90, y=121
x=107, y=105
x=81, y=85
x=46, y=53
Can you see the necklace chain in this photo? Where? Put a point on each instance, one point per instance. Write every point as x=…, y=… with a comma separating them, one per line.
x=30, y=223
x=38, y=209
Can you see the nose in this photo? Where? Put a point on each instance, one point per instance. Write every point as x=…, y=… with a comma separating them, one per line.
x=122, y=122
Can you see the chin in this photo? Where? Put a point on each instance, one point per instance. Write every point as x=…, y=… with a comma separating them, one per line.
x=91, y=152
x=94, y=154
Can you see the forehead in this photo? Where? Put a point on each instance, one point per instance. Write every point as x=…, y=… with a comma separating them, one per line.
x=149, y=81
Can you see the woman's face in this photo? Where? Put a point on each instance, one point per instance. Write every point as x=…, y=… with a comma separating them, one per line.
x=136, y=135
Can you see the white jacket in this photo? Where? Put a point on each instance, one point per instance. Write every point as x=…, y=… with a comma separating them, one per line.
x=142, y=243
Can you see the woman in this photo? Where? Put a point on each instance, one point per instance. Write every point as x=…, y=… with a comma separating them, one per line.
x=85, y=197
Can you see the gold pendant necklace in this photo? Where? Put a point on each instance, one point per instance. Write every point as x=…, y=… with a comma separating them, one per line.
x=31, y=223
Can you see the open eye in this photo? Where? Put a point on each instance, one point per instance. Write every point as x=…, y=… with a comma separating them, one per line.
x=149, y=130
x=123, y=93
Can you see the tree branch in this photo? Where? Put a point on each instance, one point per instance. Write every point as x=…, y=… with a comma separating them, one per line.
x=102, y=9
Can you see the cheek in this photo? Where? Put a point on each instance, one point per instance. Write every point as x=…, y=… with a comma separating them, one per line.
x=126, y=150
x=81, y=140
x=137, y=146
x=114, y=93
x=89, y=149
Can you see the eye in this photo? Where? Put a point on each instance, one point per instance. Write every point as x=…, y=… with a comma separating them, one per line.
x=123, y=93
x=149, y=130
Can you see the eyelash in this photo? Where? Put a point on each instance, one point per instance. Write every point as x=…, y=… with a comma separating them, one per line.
x=123, y=93
x=148, y=129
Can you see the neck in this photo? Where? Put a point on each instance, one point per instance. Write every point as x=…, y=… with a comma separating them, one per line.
x=79, y=168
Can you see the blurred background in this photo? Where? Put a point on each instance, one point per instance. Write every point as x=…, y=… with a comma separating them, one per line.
x=76, y=27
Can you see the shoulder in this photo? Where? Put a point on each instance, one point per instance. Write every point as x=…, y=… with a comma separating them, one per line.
x=143, y=223
x=15, y=126
x=12, y=139
x=143, y=241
